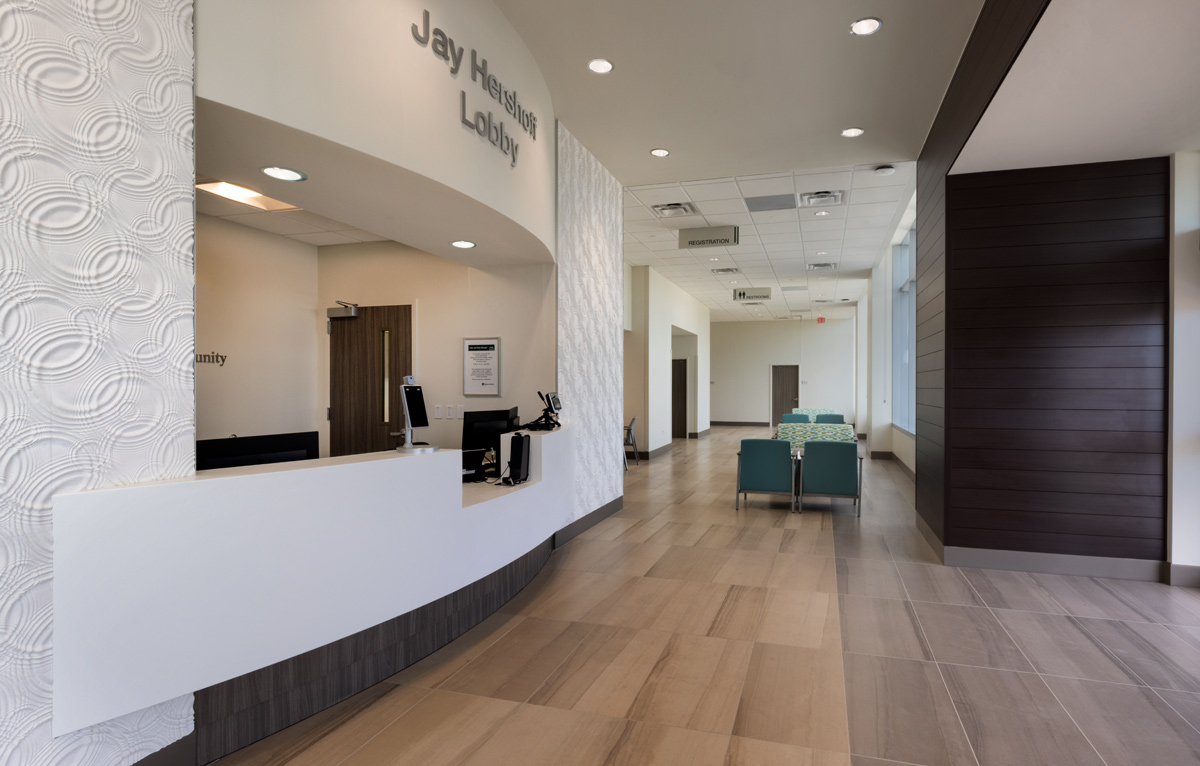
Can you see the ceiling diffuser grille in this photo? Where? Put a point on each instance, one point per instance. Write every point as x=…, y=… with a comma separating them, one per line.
x=674, y=210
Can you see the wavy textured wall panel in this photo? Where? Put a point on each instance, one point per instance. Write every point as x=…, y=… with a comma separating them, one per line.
x=96, y=316
x=590, y=349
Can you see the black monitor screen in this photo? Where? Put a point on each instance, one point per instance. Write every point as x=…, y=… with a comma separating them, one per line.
x=482, y=429
x=414, y=407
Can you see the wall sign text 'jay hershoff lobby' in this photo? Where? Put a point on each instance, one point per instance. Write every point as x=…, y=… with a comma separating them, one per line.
x=485, y=124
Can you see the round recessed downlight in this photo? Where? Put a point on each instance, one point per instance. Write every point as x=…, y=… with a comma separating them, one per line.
x=885, y=170
x=867, y=26
x=464, y=244
x=853, y=132
x=285, y=174
x=822, y=252
x=659, y=152
x=600, y=66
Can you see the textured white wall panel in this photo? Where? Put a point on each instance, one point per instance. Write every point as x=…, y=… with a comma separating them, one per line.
x=96, y=316
x=590, y=316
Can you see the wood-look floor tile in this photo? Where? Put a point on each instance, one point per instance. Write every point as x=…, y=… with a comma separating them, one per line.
x=644, y=529
x=969, y=635
x=679, y=533
x=807, y=542
x=609, y=529
x=695, y=684
x=1011, y=590
x=1128, y=724
x=794, y=696
x=1088, y=597
x=571, y=595
x=448, y=660
x=608, y=651
x=1153, y=652
x=1058, y=645
x=443, y=729
x=869, y=577
x=607, y=557
x=332, y=734
x=723, y=611
x=640, y=743
x=1187, y=704
x=937, y=583
x=645, y=603
x=884, y=627
x=860, y=545
x=899, y=711
x=800, y=618
x=911, y=546
x=767, y=511
x=758, y=752
x=746, y=568
x=808, y=573
x=542, y=736
x=682, y=563
x=516, y=665
x=1161, y=603
x=763, y=539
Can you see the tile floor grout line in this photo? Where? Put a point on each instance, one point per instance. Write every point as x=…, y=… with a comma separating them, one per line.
x=937, y=665
x=381, y=728
x=1167, y=702
x=1034, y=667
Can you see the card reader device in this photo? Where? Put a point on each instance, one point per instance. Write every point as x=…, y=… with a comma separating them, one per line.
x=514, y=457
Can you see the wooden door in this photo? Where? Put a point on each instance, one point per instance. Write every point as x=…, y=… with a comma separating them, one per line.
x=785, y=390
x=368, y=357
x=679, y=402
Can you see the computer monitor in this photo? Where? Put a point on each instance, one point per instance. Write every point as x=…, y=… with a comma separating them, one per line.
x=482, y=429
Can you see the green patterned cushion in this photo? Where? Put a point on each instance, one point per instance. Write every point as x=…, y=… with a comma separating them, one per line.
x=810, y=411
x=798, y=433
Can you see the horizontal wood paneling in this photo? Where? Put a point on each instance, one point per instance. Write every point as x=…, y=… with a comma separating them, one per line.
x=1057, y=366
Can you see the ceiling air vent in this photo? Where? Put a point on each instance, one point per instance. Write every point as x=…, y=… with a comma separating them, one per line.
x=674, y=210
x=771, y=202
x=821, y=267
x=753, y=303
x=822, y=198
x=733, y=270
x=822, y=301
x=794, y=288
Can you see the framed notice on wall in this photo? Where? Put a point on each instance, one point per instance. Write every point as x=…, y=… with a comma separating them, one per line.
x=481, y=366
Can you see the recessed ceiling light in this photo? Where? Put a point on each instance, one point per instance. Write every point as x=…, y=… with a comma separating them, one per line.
x=822, y=252
x=600, y=66
x=244, y=195
x=885, y=170
x=463, y=244
x=821, y=212
x=734, y=282
x=714, y=259
x=853, y=132
x=659, y=152
x=285, y=174
x=867, y=26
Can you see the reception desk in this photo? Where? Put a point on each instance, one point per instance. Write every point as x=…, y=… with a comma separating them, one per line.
x=167, y=588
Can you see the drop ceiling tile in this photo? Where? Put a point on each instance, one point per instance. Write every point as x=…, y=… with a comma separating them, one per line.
x=789, y=227
x=856, y=243
x=775, y=239
x=708, y=252
x=685, y=222
x=208, y=203
x=639, y=213
x=657, y=246
x=814, y=182
x=822, y=236
x=870, y=222
x=363, y=236
x=873, y=209
x=823, y=225
x=783, y=247
x=312, y=219
x=719, y=206
x=701, y=191
x=876, y=233
x=629, y=200
x=325, y=238
x=659, y=235
x=876, y=194
x=810, y=213
x=274, y=223
x=774, y=216
x=744, y=249
x=659, y=194
x=637, y=259
x=751, y=240
x=762, y=186
x=865, y=177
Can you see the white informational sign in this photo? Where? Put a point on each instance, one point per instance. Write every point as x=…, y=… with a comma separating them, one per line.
x=481, y=366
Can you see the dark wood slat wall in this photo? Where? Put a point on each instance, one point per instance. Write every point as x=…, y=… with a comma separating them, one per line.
x=1000, y=32
x=1057, y=387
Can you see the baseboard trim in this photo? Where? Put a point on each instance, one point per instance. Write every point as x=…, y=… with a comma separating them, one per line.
x=583, y=524
x=179, y=753
x=655, y=452
x=700, y=434
x=931, y=538
x=882, y=455
x=862, y=437
x=1184, y=574
x=1057, y=563
x=906, y=470
x=738, y=423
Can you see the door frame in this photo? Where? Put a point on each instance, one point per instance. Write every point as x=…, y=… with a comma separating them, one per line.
x=771, y=387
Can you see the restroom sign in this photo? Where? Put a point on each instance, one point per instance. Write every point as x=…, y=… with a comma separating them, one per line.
x=744, y=294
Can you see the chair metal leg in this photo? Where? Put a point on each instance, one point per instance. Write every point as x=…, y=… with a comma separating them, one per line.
x=624, y=456
x=858, y=497
x=636, y=458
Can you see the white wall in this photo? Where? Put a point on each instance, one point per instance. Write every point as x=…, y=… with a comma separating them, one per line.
x=1183, y=456
x=669, y=305
x=636, y=344
x=96, y=380
x=880, y=435
x=862, y=377
x=450, y=302
x=385, y=95
x=590, y=308
x=256, y=303
x=827, y=361
x=904, y=448
x=742, y=356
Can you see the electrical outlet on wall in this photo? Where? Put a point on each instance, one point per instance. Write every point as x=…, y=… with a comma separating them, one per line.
x=462, y=409
x=437, y=412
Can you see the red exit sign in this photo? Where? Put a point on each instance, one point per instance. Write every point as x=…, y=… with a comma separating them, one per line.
x=820, y=320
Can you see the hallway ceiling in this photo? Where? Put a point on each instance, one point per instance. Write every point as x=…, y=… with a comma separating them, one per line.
x=752, y=96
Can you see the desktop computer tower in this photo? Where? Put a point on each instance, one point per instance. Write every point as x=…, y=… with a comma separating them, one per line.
x=514, y=457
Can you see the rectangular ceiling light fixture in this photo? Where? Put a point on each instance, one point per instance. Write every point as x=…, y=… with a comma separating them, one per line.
x=245, y=196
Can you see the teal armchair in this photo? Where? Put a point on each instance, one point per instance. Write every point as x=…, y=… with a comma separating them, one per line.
x=766, y=465
x=794, y=417
x=828, y=470
x=830, y=419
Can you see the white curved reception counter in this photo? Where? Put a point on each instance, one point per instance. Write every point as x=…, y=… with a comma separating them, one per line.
x=164, y=589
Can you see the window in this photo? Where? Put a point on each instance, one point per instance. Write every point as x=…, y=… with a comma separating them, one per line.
x=904, y=333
